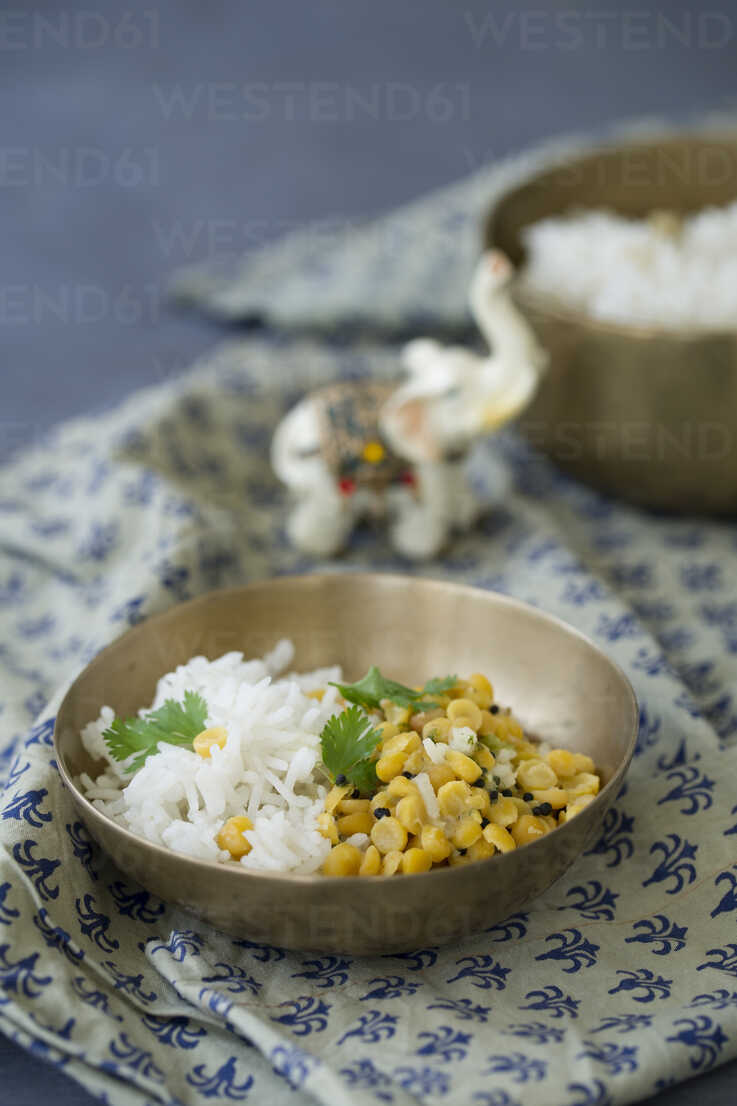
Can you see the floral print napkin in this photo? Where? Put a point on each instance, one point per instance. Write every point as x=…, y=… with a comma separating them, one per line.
x=619, y=981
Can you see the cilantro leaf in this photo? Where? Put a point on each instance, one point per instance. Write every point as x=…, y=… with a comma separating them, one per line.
x=177, y=723
x=348, y=743
x=374, y=687
x=439, y=685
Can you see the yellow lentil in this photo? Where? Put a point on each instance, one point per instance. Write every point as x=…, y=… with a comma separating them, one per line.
x=462, y=823
x=395, y=714
x=389, y=835
x=411, y=813
x=203, y=743
x=504, y=811
x=437, y=730
x=371, y=863
x=487, y=723
x=465, y=709
x=467, y=831
x=453, y=798
x=389, y=766
x=480, y=850
x=401, y=786
x=463, y=766
x=327, y=827
x=556, y=796
x=343, y=860
x=585, y=783
x=528, y=828
x=440, y=774
x=361, y=822
x=422, y=718
x=415, y=762
x=354, y=806
x=434, y=842
x=536, y=775
x=334, y=796
x=562, y=762
x=499, y=837
x=391, y=863
x=416, y=860
x=231, y=836
x=483, y=757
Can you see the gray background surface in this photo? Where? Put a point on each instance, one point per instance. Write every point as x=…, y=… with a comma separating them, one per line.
x=139, y=137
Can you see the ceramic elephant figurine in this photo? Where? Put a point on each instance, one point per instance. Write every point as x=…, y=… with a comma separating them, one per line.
x=384, y=449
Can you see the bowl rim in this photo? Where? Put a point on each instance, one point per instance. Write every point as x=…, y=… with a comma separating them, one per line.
x=549, y=306
x=313, y=879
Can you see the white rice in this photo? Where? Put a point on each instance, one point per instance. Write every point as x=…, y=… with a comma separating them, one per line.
x=269, y=768
x=641, y=271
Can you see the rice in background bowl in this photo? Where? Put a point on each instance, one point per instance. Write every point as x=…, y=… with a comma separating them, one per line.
x=639, y=410
x=662, y=270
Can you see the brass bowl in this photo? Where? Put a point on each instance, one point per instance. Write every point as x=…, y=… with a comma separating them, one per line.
x=646, y=413
x=559, y=684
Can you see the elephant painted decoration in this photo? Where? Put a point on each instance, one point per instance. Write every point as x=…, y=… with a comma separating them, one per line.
x=357, y=449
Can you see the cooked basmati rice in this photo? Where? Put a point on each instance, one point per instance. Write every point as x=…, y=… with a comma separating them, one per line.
x=643, y=271
x=269, y=768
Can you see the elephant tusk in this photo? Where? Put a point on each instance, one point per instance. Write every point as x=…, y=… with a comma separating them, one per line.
x=496, y=414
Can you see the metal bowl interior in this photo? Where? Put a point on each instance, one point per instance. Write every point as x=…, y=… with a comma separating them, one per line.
x=645, y=412
x=559, y=684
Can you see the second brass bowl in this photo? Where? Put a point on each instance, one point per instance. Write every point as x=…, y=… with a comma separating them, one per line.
x=644, y=412
x=558, y=683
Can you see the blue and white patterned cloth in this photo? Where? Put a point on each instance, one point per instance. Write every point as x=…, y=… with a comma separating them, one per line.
x=620, y=980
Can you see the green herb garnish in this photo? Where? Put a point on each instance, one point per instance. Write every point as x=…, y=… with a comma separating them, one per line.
x=495, y=744
x=176, y=723
x=439, y=685
x=374, y=687
x=349, y=742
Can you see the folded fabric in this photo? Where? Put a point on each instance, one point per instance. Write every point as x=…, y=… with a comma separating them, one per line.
x=620, y=980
